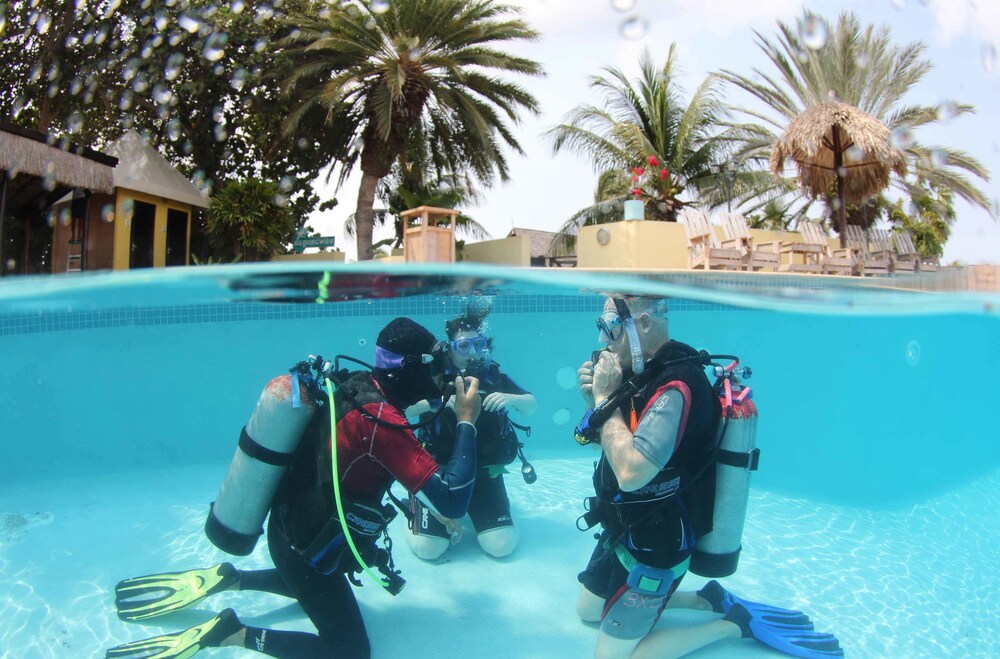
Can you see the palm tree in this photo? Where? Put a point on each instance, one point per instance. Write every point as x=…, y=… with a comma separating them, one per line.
x=860, y=66
x=644, y=127
x=384, y=72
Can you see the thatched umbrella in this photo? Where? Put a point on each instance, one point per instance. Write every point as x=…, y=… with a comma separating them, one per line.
x=835, y=140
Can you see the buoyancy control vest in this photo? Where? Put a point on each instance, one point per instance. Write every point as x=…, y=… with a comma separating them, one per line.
x=661, y=522
x=304, y=500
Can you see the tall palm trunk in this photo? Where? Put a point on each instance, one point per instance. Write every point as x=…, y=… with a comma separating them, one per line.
x=364, y=215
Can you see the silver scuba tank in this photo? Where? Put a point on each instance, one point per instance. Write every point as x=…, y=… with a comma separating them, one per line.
x=718, y=553
x=267, y=443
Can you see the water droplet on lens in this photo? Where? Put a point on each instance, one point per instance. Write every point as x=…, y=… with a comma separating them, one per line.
x=939, y=157
x=901, y=137
x=912, y=353
x=237, y=6
x=379, y=6
x=220, y=132
x=286, y=183
x=173, y=68
x=899, y=4
x=75, y=122
x=623, y=5
x=633, y=27
x=813, y=32
x=362, y=343
x=108, y=213
x=561, y=416
x=215, y=46
x=855, y=153
x=989, y=57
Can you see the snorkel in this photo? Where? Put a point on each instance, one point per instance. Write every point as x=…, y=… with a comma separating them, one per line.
x=626, y=319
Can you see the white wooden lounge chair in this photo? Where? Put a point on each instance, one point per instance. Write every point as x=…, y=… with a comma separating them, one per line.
x=756, y=255
x=902, y=240
x=802, y=256
x=704, y=249
x=837, y=261
x=869, y=262
x=882, y=244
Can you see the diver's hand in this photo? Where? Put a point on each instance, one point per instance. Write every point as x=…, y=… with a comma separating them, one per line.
x=607, y=377
x=454, y=526
x=497, y=401
x=585, y=380
x=418, y=408
x=467, y=400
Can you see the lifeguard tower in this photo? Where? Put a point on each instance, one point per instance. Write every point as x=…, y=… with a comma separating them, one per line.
x=431, y=237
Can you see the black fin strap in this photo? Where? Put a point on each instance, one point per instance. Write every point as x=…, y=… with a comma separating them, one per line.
x=748, y=461
x=261, y=453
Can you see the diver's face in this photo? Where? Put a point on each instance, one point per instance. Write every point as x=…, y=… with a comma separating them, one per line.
x=613, y=334
x=466, y=346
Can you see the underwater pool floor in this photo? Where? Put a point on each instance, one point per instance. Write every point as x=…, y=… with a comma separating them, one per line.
x=917, y=581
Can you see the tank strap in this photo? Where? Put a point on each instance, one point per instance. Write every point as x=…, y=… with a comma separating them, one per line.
x=261, y=453
x=748, y=461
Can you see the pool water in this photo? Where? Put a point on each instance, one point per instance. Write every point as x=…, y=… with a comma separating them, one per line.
x=875, y=509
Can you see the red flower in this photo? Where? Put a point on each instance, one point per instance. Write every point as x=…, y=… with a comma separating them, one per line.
x=639, y=171
x=653, y=161
x=637, y=191
x=664, y=174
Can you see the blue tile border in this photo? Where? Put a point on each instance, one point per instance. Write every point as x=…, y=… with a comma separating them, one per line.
x=40, y=322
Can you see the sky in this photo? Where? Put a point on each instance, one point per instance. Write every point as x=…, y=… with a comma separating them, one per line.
x=580, y=37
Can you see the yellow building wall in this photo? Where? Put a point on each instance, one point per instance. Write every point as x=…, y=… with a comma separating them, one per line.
x=515, y=251
x=123, y=228
x=632, y=244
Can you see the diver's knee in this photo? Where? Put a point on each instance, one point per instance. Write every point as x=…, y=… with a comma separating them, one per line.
x=589, y=606
x=499, y=542
x=428, y=547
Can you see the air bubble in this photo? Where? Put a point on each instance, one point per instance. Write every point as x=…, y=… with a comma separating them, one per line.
x=566, y=377
x=561, y=416
x=633, y=27
x=362, y=343
x=913, y=353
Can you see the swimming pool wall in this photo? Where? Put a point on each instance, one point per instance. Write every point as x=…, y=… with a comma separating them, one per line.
x=858, y=410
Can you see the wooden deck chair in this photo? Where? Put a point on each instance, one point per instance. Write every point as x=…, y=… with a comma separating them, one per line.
x=882, y=244
x=868, y=261
x=802, y=256
x=704, y=249
x=839, y=261
x=902, y=240
x=756, y=255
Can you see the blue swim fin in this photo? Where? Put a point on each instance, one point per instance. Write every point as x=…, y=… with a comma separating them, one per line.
x=722, y=601
x=797, y=642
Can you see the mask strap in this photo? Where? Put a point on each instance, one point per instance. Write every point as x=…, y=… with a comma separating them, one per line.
x=638, y=365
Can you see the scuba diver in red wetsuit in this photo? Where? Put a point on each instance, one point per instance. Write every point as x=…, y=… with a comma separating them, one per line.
x=290, y=473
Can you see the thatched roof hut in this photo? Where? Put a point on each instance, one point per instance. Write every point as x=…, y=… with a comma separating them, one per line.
x=28, y=152
x=834, y=141
x=816, y=138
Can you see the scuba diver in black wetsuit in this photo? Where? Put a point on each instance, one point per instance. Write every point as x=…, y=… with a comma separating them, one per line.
x=375, y=446
x=470, y=353
x=656, y=418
